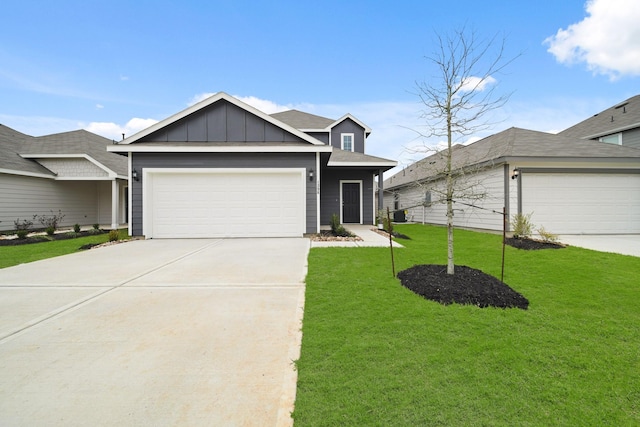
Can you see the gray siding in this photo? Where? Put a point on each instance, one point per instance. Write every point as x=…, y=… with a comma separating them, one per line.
x=330, y=193
x=348, y=126
x=631, y=138
x=221, y=122
x=82, y=202
x=140, y=161
x=320, y=136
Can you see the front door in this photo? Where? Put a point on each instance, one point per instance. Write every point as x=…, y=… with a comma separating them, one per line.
x=351, y=202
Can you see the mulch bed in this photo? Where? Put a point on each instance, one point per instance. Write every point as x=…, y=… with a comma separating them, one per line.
x=328, y=236
x=45, y=238
x=466, y=286
x=530, y=244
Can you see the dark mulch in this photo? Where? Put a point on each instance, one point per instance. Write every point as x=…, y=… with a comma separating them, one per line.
x=400, y=235
x=41, y=238
x=466, y=286
x=530, y=244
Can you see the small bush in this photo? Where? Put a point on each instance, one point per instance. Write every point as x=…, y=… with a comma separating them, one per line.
x=50, y=221
x=50, y=230
x=338, y=229
x=522, y=226
x=76, y=228
x=383, y=219
x=547, y=236
x=24, y=224
x=114, y=235
x=72, y=234
x=22, y=233
x=96, y=226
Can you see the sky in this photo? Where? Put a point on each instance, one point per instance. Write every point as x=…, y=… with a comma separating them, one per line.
x=120, y=66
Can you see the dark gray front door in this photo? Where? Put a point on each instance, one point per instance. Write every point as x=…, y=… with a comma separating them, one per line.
x=351, y=202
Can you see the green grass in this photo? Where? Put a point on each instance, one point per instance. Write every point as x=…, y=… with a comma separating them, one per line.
x=375, y=354
x=14, y=255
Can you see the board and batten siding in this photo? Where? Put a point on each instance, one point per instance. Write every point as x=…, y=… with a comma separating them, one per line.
x=330, y=193
x=489, y=183
x=221, y=122
x=348, y=126
x=140, y=161
x=22, y=197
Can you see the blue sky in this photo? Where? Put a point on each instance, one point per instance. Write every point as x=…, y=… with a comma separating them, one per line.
x=119, y=66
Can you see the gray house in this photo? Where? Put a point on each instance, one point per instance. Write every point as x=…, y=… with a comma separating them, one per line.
x=69, y=172
x=222, y=168
x=569, y=185
x=618, y=125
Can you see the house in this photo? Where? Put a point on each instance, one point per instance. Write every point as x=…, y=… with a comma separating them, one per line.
x=618, y=125
x=569, y=185
x=69, y=172
x=222, y=168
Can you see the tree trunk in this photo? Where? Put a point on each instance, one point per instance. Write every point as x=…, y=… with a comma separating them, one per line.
x=450, y=262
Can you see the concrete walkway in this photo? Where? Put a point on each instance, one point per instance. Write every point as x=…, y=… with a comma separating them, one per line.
x=625, y=244
x=369, y=238
x=154, y=332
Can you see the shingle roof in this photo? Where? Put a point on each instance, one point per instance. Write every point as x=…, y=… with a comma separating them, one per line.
x=513, y=144
x=302, y=120
x=349, y=158
x=623, y=116
x=13, y=144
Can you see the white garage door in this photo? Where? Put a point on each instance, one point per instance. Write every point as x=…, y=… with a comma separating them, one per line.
x=224, y=203
x=583, y=203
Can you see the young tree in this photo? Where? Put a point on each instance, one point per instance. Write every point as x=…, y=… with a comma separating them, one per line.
x=458, y=98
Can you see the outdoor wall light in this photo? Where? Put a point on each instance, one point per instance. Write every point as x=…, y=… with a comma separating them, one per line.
x=135, y=175
x=310, y=174
x=516, y=174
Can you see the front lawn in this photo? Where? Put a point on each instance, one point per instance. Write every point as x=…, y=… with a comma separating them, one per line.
x=376, y=354
x=20, y=254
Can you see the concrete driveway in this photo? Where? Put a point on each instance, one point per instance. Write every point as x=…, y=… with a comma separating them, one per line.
x=154, y=332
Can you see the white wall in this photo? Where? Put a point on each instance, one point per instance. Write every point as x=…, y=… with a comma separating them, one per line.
x=489, y=183
x=22, y=197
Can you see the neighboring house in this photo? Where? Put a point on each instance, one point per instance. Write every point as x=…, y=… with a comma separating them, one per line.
x=569, y=185
x=222, y=168
x=619, y=125
x=69, y=172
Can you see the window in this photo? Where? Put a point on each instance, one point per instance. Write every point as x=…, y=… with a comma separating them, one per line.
x=616, y=138
x=396, y=201
x=347, y=141
x=427, y=199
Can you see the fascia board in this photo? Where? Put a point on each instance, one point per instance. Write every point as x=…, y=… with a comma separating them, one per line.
x=23, y=173
x=211, y=100
x=111, y=173
x=367, y=129
x=142, y=148
x=364, y=164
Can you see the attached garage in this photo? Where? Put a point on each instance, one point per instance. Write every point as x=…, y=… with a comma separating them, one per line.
x=215, y=203
x=583, y=203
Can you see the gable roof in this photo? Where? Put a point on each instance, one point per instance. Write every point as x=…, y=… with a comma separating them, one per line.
x=618, y=118
x=204, y=104
x=18, y=151
x=514, y=144
x=311, y=123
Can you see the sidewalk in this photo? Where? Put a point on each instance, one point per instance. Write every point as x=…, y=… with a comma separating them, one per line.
x=369, y=238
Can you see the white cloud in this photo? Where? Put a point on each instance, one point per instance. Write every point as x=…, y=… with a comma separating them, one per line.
x=607, y=40
x=264, y=105
x=474, y=83
x=114, y=131
x=99, y=106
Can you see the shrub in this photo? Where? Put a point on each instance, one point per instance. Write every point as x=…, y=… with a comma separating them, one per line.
x=50, y=221
x=76, y=228
x=22, y=227
x=72, y=234
x=50, y=230
x=338, y=229
x=383, y=219
x=96, y=226
x=547, y=236
x=114, y=235
x=522, y=225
